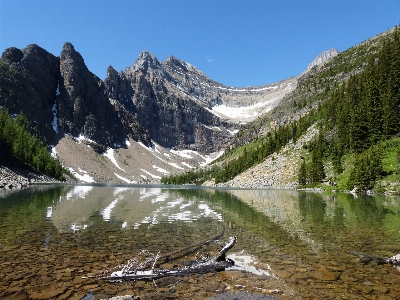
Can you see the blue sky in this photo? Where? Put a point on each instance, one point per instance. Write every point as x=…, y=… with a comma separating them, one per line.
x=237, y=43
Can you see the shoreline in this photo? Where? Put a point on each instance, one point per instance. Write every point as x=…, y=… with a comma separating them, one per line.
x=15, y=178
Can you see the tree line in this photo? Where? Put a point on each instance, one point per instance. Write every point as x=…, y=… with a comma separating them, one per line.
x=357, y=117
x=250, y=155
x=372, y=102
x=16, y=138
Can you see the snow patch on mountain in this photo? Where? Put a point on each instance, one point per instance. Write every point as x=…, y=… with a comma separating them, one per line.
x=245, y=112
x=233, y=132
x=127, y=142
x=81, y=138
x=152, y=175
x=83, y=178
x=161, y=170
x=213, y=156
x=124, y=179
x=54, y=123
x=110, y=155
x=53, y=151
x=184, y=153
x=187, y=165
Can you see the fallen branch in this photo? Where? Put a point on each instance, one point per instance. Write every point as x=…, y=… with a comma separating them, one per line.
x=194, y=246
x=394, y=260
x=216, y=263
x=368, y=258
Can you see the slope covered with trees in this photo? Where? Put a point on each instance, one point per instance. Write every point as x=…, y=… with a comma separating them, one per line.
x=16, y=139
x=358, y=119
x=361, y=114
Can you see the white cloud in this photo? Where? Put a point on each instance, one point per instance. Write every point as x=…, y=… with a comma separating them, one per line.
x=210, y=59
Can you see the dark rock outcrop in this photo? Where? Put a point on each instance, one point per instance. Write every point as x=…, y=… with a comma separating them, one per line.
x=85, y=108
x=28, y=81
x=172, y=118
x=59, y=95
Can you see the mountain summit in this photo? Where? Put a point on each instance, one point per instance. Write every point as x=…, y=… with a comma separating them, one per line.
x=168, y=105
x=322, y=58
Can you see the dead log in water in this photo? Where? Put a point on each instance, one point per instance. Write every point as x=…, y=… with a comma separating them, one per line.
x=368, y=258
x=132, y=271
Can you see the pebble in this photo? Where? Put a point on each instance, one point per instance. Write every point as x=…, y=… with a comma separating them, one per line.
x=323, y=274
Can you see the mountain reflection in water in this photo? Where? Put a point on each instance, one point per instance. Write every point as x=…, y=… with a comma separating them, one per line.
x=130, y=206
x=295, y=244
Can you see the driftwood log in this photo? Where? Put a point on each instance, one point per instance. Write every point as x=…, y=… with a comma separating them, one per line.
x=368, y=258
x=215, y=263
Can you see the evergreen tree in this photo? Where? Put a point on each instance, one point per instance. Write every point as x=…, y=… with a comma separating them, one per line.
x=367, y=169
x=336, y=158
x=302, y=174
x=398, y=160
x=317, y=172
x=16, y=138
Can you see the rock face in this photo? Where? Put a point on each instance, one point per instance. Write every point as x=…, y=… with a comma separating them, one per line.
x=317, y=65
x=144, y=103
x=172, y=118
x=238, y=105
x=60, y=95
x=28, y=81
x=324, y=57
x=168, y=104
x=171, y=103
x=179, y=106
x=85, y=108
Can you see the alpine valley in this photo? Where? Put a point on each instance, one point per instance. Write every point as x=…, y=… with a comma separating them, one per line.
x=167, y=121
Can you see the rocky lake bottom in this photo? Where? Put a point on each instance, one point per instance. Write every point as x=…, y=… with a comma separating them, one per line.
x=56, y=241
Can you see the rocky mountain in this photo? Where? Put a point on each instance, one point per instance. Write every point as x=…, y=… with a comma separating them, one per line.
x=163, y=106
x=170, y=117
x=313, y=106
x=313, y=87
x=322, y=58
x=59, y=95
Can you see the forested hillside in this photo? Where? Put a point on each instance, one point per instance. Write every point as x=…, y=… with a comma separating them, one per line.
x=361, y=114
x=358, y=117
x=16, y=139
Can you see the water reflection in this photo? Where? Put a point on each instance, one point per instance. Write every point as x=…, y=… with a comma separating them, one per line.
x=304, y=238
x=308, y=217
x=24, y=209
x=129, y=206
x=316, y=218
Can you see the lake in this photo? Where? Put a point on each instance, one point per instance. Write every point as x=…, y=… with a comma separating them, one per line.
x=57, y=240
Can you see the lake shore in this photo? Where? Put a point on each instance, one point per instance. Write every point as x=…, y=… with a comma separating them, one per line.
x=11, y=178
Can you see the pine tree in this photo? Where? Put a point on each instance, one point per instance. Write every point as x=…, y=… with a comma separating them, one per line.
x=302, y=174
x=398, y=160
x=317, y=167
x=336, y=158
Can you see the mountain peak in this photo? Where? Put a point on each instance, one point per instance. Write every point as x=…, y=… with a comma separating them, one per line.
x=68, y=48
x=111, y=71
x=322, y=58
x=174, y=62
x=145, y=55
x=145, y=61
x=13, y=55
